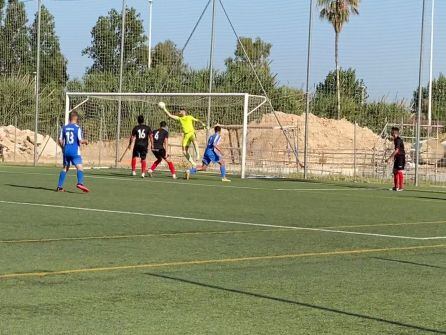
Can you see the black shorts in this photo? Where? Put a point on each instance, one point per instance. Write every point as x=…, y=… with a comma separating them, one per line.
x=160, y=153
x=399, y=163
x=140, y=152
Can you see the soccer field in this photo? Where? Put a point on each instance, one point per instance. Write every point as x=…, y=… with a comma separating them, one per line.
x=157, y=256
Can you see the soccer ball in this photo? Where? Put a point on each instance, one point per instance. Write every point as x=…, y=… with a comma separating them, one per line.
x=161, y=105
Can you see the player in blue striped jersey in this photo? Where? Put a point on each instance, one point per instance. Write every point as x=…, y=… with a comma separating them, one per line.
x=70, y=140
x=213, y=154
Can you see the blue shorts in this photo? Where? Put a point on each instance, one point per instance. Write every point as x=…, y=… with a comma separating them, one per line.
x=210, y=156
x=68, y=160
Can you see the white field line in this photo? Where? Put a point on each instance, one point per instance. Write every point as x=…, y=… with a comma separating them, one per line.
x=129, y=179
x=332, y=231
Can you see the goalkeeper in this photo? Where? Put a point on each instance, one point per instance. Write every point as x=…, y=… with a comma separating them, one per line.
x=187, y=126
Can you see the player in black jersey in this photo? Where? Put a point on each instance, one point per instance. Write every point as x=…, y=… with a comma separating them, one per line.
x=160, y=141
x=141, y=135
x=399, y=160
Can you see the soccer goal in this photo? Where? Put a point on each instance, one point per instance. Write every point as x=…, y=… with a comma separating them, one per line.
x=107, y=120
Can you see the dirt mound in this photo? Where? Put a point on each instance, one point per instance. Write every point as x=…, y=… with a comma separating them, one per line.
x=331, y=143
x=19, y=144
x=324, y=134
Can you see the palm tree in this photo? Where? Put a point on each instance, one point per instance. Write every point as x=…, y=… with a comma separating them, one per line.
x=337, y=12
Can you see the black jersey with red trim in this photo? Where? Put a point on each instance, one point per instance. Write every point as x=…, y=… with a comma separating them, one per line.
x=141, y=134
x=399, y=145
x=159, y=136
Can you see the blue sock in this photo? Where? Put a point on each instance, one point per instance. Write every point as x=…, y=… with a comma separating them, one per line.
x=62, y=176
x=193, y=170
x=223, y=171
x=80, y=177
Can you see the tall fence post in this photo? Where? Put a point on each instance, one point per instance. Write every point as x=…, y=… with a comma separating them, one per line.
x=121, y=70
x=245, y=136
x=420, y=99
x=150, y=34
x=211, y=69
x=307, y=91
x=354, y=149
x=100, y=137
x=56, y=138
x=15, y=136
x=36, y=121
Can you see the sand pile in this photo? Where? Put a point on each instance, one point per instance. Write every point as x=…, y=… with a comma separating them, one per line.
x=433, y=150
x=22, y=143
x=330, y=141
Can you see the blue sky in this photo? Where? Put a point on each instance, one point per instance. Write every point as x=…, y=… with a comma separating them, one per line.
x=382, y=44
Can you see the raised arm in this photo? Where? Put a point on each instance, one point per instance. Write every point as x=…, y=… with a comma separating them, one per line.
x=173, y=117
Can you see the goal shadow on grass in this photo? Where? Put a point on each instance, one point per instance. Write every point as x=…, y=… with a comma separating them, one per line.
x=297, y=303
x=409, y=262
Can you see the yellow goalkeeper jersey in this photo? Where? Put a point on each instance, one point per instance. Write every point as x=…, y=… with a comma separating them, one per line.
x=187, y=124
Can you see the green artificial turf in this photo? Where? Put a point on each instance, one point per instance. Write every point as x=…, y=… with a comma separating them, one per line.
x=158, y=256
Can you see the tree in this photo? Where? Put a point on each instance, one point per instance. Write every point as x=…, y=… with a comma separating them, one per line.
x=52, y=62
x=2, y=8
x=105, y=46
x=288, y=100
x=353, y=94
x=438, y=99
x=241, y=77
x=167, y=54
x=2, y=39
x=337, y=12
x=15, y=40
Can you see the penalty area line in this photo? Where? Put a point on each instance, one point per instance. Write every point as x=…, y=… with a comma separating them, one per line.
x=184, y=218
x=214, y=261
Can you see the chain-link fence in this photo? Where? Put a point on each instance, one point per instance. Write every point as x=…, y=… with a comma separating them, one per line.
x=363, y=76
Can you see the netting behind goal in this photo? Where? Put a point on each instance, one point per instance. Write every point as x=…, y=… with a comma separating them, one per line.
x=253, y=142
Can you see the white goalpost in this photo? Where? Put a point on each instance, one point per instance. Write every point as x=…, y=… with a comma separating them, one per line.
x=108, y=118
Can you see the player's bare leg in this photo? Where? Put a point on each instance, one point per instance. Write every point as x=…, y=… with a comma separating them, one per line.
x=80, y=179
x=196, y=149
x=189, y=156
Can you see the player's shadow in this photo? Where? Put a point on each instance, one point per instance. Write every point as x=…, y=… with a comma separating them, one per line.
x=300, y=304
x=39, y=188
x=408, y=262
x=428, y=198
x=328, y=183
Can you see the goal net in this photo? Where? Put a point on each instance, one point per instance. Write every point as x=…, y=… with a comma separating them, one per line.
x=253, y=143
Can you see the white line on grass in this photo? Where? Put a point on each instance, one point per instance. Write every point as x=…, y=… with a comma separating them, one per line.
x=220, y=221
x=339, y=189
